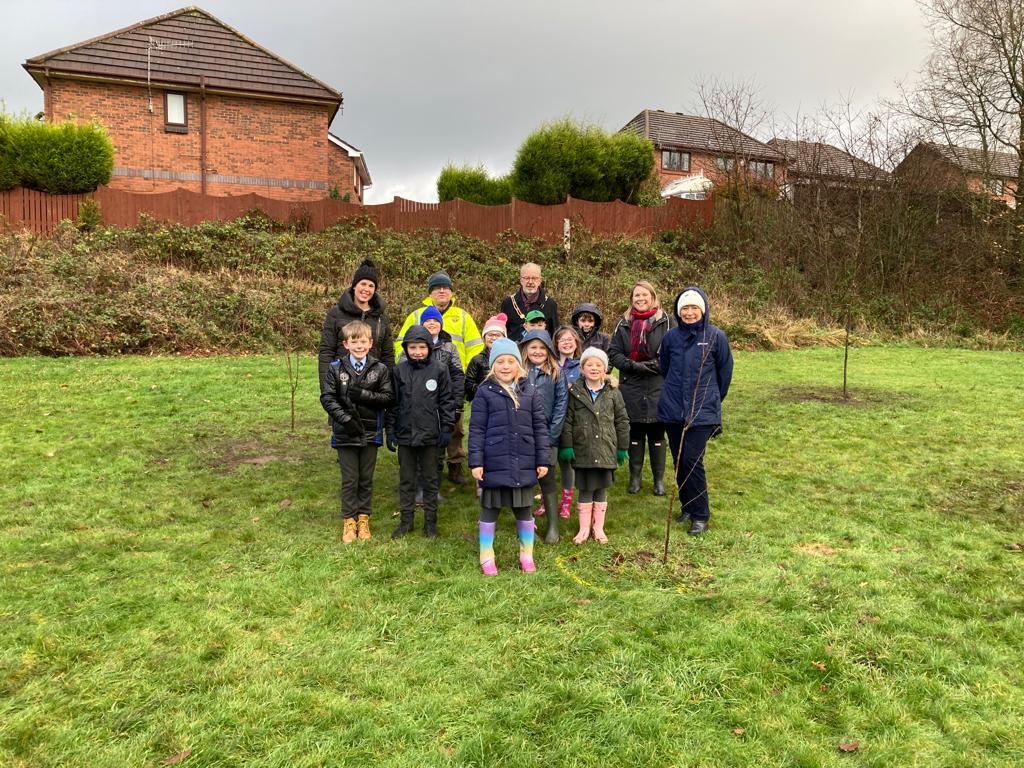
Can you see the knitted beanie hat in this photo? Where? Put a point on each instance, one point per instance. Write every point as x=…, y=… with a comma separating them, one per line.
x=691, y=298
x=438, y=280
x=366, y=271
x=496, y=323
x=503, y=347
x=590, y=352
x=431, y=313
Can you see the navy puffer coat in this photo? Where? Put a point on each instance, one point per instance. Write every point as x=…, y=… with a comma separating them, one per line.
x=508, y=442
x=697, y=365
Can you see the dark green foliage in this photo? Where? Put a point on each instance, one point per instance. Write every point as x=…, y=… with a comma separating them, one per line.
x=60, y=159
x=565, y=158
x=89, y=216
x=473, y=185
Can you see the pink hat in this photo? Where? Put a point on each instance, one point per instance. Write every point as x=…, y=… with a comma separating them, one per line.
x=496, y=323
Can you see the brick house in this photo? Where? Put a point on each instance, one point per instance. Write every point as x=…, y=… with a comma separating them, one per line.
x=940, y=166
x=190, y=102
x=688, y=145
x=347, y=169
x=817, y=172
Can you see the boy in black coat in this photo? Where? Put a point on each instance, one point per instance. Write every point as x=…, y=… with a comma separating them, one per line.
x=419, y=424
x=356, y=390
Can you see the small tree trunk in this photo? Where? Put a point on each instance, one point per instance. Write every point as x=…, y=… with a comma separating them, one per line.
x=846, y=357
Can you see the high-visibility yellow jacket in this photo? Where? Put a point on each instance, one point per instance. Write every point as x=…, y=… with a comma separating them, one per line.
x=457, y=322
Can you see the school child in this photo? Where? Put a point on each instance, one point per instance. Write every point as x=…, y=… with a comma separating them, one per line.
x=595, y=439
x=420, y=425
x=569, y=346
x=535, y=321
x=587, y=320
x=509, y=450
x=445, y=351
x=478, y=368
x=356, y=390
x=545, y=374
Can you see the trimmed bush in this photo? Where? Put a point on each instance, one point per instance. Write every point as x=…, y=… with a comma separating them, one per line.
x=474, y=185
x=60, y=159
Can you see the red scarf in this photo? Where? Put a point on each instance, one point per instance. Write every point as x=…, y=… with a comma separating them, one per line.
x=639, y=326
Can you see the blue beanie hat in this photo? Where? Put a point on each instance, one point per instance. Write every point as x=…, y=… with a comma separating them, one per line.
x=431, y=313
x=503, y=347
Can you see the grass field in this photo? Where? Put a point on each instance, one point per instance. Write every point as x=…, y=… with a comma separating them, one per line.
x=173, y=589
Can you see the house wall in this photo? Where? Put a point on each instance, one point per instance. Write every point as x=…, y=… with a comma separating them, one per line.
x=926, y=170
x=341, y=173
x=271, y=148
x=704, y=162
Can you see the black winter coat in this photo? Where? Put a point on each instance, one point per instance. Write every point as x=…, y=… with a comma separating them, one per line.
x=640, y=383
x=343, y=313
x=446, y=352
x=508, y=442
x=476, y=372
x=595, y=338
x=425, y=404
x=356, y=402
x=516, y=308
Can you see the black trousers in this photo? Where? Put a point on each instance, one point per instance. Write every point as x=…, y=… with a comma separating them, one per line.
x=417, y=467
x=357, y=466
x=690, y=478
x=651, y=432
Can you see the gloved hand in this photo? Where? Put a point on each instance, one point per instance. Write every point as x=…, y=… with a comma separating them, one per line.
x=443, y=439
x=391, y=441
x=620, y=457
x=355, y=392
x=567, y=454
x=651, y=366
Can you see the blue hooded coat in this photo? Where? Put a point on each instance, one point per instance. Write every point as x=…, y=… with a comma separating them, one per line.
x=553, y=392
x=508, y=442
x=697, y=365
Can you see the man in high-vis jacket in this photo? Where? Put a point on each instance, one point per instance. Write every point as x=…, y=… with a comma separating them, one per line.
x=465, y=335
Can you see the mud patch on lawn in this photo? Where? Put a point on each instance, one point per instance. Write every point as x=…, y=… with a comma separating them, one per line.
x=646, y=566
x=816, y=549
x=858, y=397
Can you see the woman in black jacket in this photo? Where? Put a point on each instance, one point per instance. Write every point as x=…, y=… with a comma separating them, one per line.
x=360, y=302
x=634, y=351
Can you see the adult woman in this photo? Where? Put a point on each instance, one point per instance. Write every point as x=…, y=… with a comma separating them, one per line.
x=634, y=351
x=697, y=364
x=359, y=302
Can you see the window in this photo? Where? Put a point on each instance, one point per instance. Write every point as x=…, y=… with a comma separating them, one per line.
x=995, y=187
x=725, y=163
x=759, y=168
x=175, y=112
x=675, y=161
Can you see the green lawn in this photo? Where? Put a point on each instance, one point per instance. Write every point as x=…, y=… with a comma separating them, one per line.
x=172, y=584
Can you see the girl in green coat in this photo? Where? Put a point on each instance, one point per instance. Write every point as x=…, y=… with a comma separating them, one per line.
x=595, y=439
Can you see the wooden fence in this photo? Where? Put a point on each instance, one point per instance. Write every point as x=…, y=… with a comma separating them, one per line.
x=40, y=213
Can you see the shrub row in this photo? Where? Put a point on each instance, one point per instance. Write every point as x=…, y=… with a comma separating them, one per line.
x=60, y=159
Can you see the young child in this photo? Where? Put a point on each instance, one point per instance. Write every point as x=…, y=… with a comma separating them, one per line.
x=495, y=328
x=595, y=439
x=420, y=424
x=509, y=450
x=545, y=375
x=569, y=346
x=356, y=390
x=534, y=321
x=587, y=319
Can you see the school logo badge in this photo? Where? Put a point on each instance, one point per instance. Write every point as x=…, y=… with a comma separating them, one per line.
x=431, y=385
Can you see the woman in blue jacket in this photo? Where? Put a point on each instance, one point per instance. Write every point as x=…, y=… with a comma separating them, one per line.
x=696, y=362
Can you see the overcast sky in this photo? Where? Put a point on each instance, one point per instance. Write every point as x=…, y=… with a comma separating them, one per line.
x=426, y=82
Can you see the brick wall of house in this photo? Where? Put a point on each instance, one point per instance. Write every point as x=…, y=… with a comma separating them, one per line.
x=706, y=163
x=341, y=172
x=275, y=149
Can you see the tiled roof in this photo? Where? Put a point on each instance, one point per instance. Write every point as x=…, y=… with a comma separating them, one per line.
x=704, y=134
x=179, y=48
x=812, y=158
x=1002, y=164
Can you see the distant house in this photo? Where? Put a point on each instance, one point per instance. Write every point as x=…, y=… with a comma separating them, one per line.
x=688, y=145
x=814, y=169
x=940, y=166
x=347, y=170
x=191, y=102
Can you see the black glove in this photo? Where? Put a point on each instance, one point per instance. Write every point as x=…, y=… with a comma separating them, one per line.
x=652, y=366
x=444, y=438
x=392, y=443
x=355, y=392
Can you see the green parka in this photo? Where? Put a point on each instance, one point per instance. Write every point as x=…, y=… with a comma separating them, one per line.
x=595, y=429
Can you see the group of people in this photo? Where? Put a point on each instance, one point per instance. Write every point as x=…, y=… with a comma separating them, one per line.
x=541, y=396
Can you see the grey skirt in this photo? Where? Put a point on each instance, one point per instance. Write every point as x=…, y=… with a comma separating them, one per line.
x=507, y=498
x=594, y=479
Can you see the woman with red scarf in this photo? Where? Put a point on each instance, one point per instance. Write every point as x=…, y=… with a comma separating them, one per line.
x=634, y=351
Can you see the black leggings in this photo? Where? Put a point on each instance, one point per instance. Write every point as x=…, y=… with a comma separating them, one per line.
x=652, y=432
x=598, y=494
x=490, y=514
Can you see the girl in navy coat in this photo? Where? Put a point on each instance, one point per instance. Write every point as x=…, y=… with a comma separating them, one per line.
x=509, y=450
x=570, y=347
x=696, y=362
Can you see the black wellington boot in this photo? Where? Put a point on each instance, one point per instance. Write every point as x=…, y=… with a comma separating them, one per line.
x=551, y=505
x=659, y=451
x=404, y=526
x=430, y=525
x=636, y=466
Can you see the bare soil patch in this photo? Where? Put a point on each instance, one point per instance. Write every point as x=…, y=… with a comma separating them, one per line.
x=858, y=397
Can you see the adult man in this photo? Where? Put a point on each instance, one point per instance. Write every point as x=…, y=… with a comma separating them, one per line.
x=529, y=297
x=466, y=338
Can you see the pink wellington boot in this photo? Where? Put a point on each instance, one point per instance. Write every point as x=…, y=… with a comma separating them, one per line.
x=565, y=508
x=585, y=511
x=600, y=509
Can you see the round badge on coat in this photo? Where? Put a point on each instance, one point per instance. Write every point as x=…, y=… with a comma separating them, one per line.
x=431, y=385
